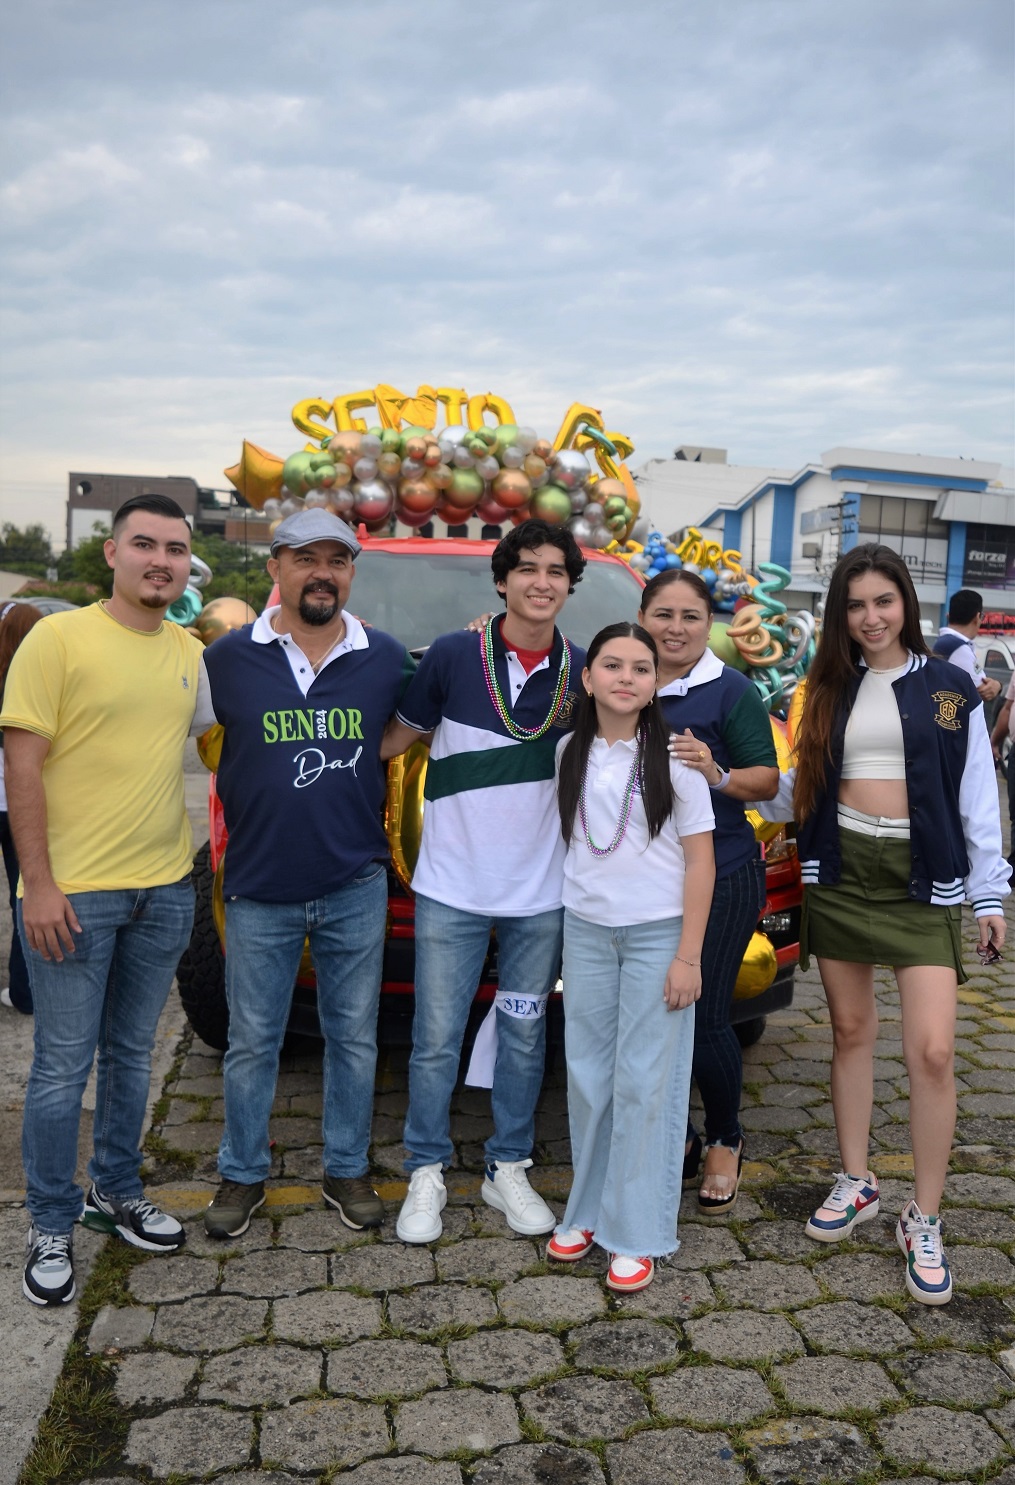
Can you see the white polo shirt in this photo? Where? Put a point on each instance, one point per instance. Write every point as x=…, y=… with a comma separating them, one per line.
x=642, y=881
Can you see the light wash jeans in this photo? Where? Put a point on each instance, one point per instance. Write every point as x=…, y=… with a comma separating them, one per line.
x=628, y=1084
x=451, y=946
x=264, y=944
x=107, y=996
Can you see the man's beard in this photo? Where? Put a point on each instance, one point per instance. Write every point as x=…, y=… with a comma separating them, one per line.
x=318, y=614
x=155, y=600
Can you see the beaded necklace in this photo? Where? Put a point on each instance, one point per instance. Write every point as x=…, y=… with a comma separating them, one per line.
x=633, y=784
x=523, y=734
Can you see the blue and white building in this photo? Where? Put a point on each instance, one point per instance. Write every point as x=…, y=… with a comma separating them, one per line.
x=952, y=519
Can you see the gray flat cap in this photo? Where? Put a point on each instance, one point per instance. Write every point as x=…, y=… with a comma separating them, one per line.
x=305, y=526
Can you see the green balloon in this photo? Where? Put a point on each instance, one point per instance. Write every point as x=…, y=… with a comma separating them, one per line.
x=376, y=431
x=614, y=505
x=415, y=432
x=391, y=441
x=466, y=482
x=295, y=471
x=506, y=435
x=720, y=644
x=551, y=503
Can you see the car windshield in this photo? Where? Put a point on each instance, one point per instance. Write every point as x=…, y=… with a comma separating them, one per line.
x=417, y=596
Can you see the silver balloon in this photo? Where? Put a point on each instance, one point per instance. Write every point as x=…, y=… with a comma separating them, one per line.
x=370, y=445
x=640, y=530
x=365, y=469
x=526, y=439
x=411, y=467
x=593, y=512
x=513, y=457
x=580, y=530
x=316, y=499
x=462, y=458
x=272, y=508
x=579, y=500
x=570, y=469
x=601, y=537
x=488, y=468
x=372, y=501
x=342, y=501
x=449, y=438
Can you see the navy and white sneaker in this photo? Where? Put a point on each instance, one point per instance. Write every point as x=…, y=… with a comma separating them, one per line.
x=928, y=1277
x=135, y=1219
x=49, y=1269
x=852, y=1200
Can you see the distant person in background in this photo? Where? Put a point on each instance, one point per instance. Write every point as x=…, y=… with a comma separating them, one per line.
x=15, y=621
x=1004, y=727
x=955, y=642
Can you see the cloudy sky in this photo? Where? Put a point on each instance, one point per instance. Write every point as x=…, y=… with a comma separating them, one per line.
x=772, y=225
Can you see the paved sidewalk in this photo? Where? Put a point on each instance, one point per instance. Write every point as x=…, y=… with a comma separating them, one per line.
x=302, y=1350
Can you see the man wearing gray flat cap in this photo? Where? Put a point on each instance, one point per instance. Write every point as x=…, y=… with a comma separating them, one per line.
x=303, y=695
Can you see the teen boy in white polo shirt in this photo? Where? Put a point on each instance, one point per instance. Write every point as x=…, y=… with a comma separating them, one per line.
x=491, y=856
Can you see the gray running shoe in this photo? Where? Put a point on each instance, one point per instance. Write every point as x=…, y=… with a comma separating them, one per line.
x=138, y=1221
x=355, y=1200
x=230, y=1210
x=49, y=1269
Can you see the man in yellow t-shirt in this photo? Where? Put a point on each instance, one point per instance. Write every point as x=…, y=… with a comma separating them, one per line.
x=97, y=709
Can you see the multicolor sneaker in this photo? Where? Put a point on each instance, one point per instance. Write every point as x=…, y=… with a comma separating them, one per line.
x=570, y=1244
x=626, y=1275
x=928, y=1277
x=853, y=1199
x=138, y=1221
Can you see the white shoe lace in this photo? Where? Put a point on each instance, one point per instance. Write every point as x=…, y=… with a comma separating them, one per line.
x=843, y=1192
x=52, y=1250
x=925, y=1238
x=514, y=1176
x=421, y=1197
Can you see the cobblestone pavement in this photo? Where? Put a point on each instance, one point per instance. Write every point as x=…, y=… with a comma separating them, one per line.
x=305, y=1351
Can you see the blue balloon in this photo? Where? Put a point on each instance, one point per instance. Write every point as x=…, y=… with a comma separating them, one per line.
x=673, y=560
x=710, y=578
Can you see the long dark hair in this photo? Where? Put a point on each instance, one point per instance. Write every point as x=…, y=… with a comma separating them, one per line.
x=15, y=623
x=834, y=665
x=653, y=739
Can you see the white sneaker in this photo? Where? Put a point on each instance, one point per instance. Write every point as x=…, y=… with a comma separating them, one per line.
x=49, y=1268
x=419, y=1221
x=5, y=998
x=507, y=1188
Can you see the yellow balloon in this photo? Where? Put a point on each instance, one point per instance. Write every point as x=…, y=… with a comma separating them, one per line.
x=453, y=400
x=221, y=615
x=488, y=402
x=303, y=415
x=758, y=968
x=796, y=707
x=403, y=809
x=258, y=475
x=343, y=406
x=209, y=747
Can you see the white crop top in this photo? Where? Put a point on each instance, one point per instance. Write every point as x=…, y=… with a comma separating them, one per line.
x=873, y=746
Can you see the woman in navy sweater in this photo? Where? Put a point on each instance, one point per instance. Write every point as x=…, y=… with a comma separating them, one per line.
x=899, y=822
x=722, y=731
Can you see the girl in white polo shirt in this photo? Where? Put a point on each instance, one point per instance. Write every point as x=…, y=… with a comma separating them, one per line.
x=637, y=889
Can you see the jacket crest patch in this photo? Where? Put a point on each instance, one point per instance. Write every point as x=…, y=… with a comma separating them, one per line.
x=947, y=714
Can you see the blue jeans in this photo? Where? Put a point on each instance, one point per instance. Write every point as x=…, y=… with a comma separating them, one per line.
x=264, y=944
x=718, y=1063
x=628, y=1084
x=106, y=996
x=17, y=969
x=451, y=946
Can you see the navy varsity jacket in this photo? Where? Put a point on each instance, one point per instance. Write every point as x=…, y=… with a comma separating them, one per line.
x=955, y=825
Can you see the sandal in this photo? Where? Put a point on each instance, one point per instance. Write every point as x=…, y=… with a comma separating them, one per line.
x=716, y=1204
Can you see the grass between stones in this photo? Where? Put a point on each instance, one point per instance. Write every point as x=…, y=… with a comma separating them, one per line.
x=84, y=1428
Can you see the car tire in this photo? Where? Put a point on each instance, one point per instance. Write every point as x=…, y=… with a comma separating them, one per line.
x=749, y=1032
x=201, y=972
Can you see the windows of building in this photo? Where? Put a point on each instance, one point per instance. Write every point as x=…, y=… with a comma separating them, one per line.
x=909, y=527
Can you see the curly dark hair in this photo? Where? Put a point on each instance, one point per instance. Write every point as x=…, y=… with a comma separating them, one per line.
x=526, y=538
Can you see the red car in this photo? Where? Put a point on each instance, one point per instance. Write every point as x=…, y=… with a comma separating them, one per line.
x=416, y=589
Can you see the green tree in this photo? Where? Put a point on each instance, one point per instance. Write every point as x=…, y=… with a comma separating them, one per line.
x=29, y=551
x=87, y=562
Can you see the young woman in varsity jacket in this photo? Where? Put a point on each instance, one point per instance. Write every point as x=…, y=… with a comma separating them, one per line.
x=896, y=800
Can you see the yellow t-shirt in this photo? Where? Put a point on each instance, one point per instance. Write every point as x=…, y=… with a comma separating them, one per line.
x=116, y=704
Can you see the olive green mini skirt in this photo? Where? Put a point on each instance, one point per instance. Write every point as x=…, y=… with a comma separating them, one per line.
x=869, y=918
